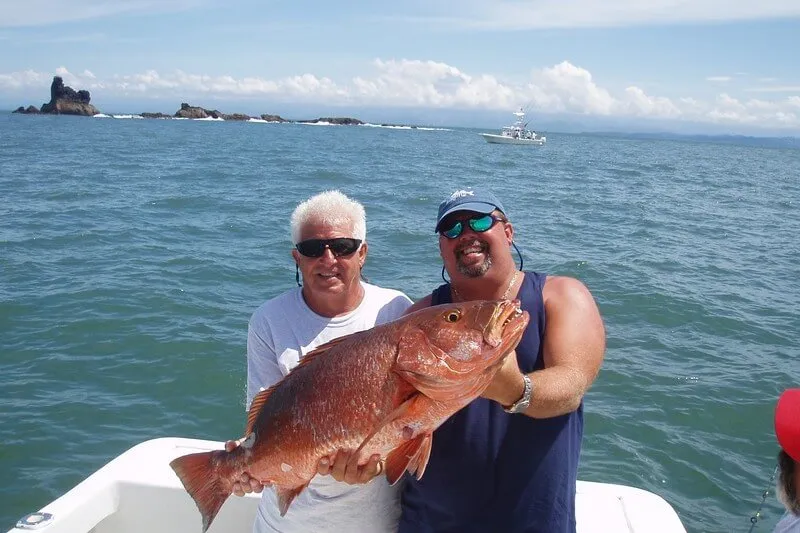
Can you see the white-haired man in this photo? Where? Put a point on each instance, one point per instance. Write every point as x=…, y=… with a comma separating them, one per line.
x=787, y=431
x=330, y=248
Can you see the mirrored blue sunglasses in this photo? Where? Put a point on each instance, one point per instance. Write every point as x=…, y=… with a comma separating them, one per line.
x=477, y=223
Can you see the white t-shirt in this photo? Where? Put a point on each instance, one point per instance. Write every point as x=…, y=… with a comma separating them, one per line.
x=790, y=523
x=281, y=332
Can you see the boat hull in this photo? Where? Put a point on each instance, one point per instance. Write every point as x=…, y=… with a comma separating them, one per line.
x=138, y=491
x=505, y=139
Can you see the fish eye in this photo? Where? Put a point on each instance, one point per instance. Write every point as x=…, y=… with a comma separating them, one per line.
x=453, y=316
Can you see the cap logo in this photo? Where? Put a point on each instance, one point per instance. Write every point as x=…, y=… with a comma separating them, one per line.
x=461, y=194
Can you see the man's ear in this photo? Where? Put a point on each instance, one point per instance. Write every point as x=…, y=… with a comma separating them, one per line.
x=296, y=256
x=509, y=229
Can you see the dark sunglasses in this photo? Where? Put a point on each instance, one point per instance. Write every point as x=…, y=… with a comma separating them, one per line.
x=477, y=223
x=316, y=247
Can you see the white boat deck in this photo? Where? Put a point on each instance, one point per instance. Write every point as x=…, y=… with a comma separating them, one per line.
x=139, y=492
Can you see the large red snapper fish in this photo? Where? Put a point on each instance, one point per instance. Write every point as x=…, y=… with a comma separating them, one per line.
x=380, y=391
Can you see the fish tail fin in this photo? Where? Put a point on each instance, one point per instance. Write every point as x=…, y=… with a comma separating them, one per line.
x=204, y=477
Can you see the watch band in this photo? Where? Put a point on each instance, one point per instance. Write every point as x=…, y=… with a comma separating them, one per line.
x=523, y=403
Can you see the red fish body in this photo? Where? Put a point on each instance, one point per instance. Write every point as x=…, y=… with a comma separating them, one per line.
x=380, y=391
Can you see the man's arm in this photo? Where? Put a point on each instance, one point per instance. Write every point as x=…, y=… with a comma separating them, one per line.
x=573, y=351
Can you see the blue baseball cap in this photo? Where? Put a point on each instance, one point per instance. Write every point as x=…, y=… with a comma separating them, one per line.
x=468, y=200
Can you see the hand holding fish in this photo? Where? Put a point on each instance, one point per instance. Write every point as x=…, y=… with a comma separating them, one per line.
x=507, y=385
x=343, y=466
x=246, y=484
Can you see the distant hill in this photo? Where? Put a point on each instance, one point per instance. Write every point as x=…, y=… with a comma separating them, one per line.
x=767, y=142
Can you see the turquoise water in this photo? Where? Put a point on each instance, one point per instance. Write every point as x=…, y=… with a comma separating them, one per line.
x=132, y=253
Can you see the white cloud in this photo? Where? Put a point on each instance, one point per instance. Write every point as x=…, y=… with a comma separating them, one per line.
x=719, y=79
x=530, y=14
x=562, y=88
x=25, y=79
x=429, y=83
x=729, y=110
x=571, y=88
x=640, y=104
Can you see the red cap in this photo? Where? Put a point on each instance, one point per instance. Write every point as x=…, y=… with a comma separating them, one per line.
x=787, y=422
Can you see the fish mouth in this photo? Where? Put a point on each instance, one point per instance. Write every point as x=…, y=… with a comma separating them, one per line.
x=507, y=324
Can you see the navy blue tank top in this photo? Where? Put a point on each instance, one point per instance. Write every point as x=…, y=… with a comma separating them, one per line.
x=492, y=471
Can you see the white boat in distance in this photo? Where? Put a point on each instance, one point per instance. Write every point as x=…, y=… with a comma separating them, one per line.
x=517, y=133
x=138, y=491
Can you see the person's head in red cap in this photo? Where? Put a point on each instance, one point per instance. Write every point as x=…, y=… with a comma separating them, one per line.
x=787, y=430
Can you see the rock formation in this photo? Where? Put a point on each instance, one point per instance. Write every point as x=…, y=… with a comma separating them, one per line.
x=273, y=118
x=342, y=121
x=154, y=115
x=65, y=101
x=188, y=111
x=30, y=110
x=235, y=116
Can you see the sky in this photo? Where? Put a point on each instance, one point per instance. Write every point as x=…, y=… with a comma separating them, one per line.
x=718, y=66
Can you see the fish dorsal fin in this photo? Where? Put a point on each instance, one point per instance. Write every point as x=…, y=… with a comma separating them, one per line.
x=325, y=348
x=319, y=350
x=255, y=407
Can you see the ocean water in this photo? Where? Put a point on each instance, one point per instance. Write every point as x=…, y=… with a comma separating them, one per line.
x=132, y=253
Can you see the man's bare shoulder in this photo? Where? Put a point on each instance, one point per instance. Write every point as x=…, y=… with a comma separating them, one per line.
x=420, y=304
x=560, y=287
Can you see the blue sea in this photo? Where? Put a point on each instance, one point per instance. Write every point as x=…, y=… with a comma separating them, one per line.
x=132, y=253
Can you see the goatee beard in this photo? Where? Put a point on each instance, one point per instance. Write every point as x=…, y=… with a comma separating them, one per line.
x=475, y=271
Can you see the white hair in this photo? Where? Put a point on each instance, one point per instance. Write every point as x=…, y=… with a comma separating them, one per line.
x=332, y=208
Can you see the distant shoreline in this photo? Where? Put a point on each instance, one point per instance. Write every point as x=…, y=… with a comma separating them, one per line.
x=730, y=139
x=321, y=121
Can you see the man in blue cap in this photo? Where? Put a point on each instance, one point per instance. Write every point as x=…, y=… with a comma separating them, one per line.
x=509, y=460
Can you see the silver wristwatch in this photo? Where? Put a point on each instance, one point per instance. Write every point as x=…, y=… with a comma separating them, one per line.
x=523, y=403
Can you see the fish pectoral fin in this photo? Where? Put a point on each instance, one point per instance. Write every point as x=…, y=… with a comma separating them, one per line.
x=287, y=496
x=412, y=456
x=420, y=460
x=399, y=411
